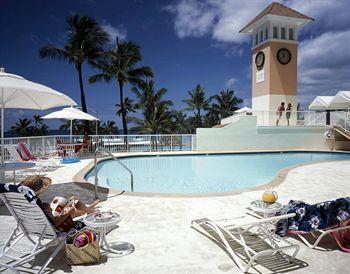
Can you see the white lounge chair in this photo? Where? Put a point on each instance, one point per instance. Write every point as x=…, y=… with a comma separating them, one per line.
x=32, y=225
x=246, y=238
x=41, y=164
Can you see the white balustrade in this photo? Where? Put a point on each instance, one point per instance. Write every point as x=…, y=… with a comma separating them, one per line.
x=46, y=145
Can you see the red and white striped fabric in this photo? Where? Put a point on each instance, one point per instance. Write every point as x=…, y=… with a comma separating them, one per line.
x=25, y=153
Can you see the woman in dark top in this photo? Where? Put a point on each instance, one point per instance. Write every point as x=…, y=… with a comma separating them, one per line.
x=288, y=112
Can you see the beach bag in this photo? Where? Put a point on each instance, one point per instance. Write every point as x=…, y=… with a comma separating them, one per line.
x=79, y=252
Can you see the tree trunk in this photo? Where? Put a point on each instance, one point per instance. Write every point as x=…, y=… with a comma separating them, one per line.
x=122, y=109
x=199, y=120
x=83, y=100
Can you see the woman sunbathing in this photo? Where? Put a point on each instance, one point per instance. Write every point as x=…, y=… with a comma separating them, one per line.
x=61, y=211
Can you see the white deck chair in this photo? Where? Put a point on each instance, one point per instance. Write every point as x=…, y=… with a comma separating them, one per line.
x=316, y=234
x=247, y=239
x=33, y=225
x=41, y=164
x=15, y=157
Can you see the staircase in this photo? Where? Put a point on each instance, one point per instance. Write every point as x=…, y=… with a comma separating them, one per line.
x=341, y=132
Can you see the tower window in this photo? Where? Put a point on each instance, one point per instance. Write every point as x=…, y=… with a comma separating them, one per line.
x=256, y=39
x=291, y=34
x=283, y=33
x=266, y=33
x=275, y=32
x=261, y=36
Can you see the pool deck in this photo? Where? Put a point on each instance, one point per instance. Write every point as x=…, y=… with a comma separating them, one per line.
x=159, y=227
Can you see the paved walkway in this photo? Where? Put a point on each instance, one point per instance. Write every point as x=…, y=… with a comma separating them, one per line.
x=164, y=242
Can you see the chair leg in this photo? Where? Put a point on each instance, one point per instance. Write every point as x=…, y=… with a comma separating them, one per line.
x=9, y=267
x=53, y=255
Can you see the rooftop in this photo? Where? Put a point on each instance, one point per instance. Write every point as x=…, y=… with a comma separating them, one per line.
x=277, y=9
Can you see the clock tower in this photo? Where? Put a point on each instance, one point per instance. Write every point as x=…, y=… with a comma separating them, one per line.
x=274, y=56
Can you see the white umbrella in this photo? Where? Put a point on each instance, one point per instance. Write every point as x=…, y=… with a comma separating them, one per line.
x=17, y=92
x=321, y=103
x=242, y=110
x=341, y=100
x=70, y=114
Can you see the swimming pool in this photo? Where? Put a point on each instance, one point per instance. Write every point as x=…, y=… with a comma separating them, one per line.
x=202, y=173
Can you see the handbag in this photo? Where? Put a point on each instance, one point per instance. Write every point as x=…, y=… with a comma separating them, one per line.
x=87, y=254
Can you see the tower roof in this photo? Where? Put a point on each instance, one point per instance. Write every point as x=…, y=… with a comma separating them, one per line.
x=277, y=9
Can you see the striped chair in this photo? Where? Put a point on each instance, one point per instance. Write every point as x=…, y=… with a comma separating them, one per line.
x=32, y=224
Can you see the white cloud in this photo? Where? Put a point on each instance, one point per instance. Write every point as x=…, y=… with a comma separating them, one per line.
x=113, y=32
x=231, y=50
x=193, y=18
x=222, y=19
x=230, y=82
x=324, y=54
x=324, y=65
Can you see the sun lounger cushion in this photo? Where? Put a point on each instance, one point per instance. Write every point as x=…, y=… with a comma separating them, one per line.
x=312, y=217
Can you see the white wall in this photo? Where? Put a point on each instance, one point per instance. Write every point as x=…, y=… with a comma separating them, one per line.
x=244, y=135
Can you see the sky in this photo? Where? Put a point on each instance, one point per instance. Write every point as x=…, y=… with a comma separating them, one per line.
x=186, y=42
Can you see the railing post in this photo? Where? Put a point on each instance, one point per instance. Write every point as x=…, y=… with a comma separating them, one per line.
x=191, y=142
x=171, y=142
x=95, y=173
x=43, y=146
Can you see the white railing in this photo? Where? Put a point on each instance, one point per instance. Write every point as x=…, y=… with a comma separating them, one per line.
x=343, y=122
x=46, y=145
x=295, y=118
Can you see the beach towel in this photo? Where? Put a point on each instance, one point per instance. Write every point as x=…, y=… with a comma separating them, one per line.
x=325, y=215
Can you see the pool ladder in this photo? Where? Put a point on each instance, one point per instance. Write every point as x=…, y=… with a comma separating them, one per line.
x=101, y=149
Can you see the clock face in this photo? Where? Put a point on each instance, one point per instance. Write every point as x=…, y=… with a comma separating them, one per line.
x=260, y=59
x=284, y=56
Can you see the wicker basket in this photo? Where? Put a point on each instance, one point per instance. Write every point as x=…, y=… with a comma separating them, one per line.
x=87, y=254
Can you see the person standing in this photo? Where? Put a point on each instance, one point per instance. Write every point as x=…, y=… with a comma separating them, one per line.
x=288, y=112
x=279, y=112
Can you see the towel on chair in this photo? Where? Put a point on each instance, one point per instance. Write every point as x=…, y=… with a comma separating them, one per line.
x=325, y=215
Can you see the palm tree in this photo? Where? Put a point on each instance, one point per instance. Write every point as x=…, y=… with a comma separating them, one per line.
x=111, y=128
x=120, y=64
x=226, y=103
x=157, y=116
x=211, y=118
x=180, y=123
x=23, y=128
x=39, y=128
x=197, y=102
x=77, y=126
x=84, y=43
x=129, y=106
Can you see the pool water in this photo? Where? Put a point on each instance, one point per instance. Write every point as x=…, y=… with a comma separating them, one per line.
x=202, y=173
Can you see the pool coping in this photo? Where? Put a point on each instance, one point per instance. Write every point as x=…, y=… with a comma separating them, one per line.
x=278, y=179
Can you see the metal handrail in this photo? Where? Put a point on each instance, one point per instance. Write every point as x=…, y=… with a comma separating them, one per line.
x=115, y=159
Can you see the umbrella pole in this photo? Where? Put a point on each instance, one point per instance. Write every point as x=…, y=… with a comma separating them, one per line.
x=71, y=130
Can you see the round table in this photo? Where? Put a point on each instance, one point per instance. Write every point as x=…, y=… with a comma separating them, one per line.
x=103, y=226
x=15, y=166
x=265, y=208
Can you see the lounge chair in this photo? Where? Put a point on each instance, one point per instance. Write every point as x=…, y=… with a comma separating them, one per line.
x=32, y=225
x=318, y=220
x=246, y=238
x=54, y=152
x=41, y=163
x=83, y=147
x=60, y=149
